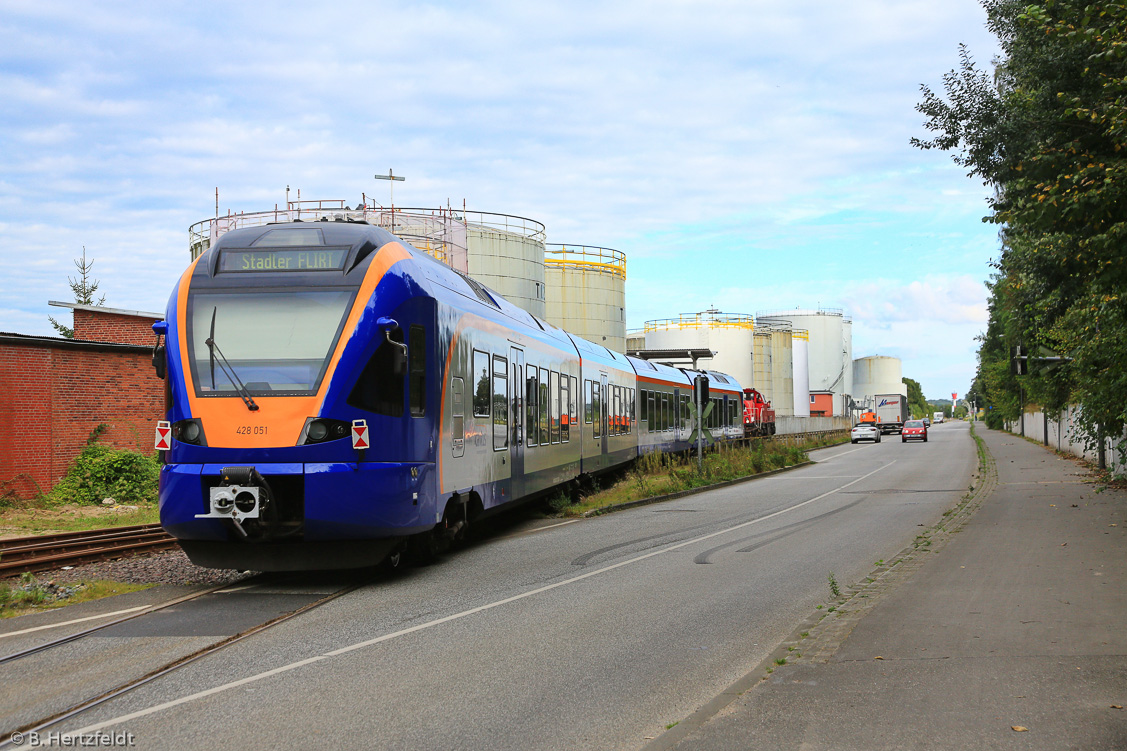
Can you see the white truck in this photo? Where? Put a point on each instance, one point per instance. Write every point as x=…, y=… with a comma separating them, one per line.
x=892, y=411
x=937, y=418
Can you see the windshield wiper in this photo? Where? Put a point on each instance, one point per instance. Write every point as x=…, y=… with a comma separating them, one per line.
x=228, y=368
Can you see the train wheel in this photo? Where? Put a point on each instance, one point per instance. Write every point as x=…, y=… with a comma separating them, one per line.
x=395, y=561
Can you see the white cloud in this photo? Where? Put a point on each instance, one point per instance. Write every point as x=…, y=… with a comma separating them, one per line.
x=737, y=151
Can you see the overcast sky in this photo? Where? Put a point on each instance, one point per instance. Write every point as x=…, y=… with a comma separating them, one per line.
x=750, y=155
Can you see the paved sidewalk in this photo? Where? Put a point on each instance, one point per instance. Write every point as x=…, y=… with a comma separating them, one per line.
x=1019, y=621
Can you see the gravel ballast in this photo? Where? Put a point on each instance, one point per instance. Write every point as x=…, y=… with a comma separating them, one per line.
x=167, y=567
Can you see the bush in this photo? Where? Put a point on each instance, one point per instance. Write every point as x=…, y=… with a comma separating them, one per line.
x=104, y=472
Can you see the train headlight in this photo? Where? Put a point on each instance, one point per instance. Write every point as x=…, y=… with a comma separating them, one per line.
x=189, y=431
x=321, y=429
x=318, y=431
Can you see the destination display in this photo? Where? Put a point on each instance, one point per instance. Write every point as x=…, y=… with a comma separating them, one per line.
x=282, y=259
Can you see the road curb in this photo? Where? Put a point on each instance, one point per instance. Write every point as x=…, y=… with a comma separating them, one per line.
x=819, y=636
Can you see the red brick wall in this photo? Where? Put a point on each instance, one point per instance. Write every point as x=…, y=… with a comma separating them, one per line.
x=99, y=326
x=53, y=393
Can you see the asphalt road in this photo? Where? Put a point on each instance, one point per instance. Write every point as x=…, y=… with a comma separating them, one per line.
x=591, y=634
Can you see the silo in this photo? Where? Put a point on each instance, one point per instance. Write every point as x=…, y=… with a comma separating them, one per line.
x=635, y=340
x=782, y=370
x=829, y=368
x=506, y=253
x=587, y=292
x=800, y=357
x=761, y=360
x=847, y=348
x=731, y=337
x=877, y=374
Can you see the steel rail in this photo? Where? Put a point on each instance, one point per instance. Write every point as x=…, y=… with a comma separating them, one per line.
x=128, y=686
x=44, y=552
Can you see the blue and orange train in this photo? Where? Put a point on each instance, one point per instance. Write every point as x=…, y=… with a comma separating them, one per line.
x=335, y=395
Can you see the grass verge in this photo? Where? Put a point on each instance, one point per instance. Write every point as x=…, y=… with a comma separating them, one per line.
x=40, y=517
x=29, y=595
x=658, y=474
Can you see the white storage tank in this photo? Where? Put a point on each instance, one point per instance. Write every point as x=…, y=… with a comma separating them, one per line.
x=587, y=292
x=830, y=348
x=635, y=340
x=730, y=336
x=782, y=370
x=800, y=357
x=506, y=253
x=762, y=365
x=877, y=374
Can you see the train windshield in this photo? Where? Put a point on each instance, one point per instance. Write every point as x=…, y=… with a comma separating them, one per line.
x=276, y=342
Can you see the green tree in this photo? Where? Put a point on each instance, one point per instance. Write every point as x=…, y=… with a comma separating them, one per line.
x=84, y=288
x=917, y=404
x=1047, y=130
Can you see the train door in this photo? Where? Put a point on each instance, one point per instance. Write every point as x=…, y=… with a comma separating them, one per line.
x=604, y=412
x=516, y=421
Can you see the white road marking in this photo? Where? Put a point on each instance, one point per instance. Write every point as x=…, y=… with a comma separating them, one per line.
x=76, y=620
x=835, y=456
x=447, y=619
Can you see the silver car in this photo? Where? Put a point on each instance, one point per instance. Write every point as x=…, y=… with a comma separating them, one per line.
x=864, y=431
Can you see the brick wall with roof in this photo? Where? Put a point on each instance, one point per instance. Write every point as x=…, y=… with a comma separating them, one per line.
x=55, y=392
x=111, y=326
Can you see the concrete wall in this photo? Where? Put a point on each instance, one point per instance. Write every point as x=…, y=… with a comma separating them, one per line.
x=792, y=425
x=1058, y=432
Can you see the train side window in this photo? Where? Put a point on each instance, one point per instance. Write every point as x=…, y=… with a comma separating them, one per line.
x=644, y=414
x=543, y=406
x=554, y=405
x=650, y=414
x=571, y=397
x=620, y=393
x=480, y=377
x=458, y=427
x=380, y=386
x=417, y=371
x=633, y=407
x=597, y=408
x=612, y=410
x=565, y=402
x=531, y=409
x=500, y=403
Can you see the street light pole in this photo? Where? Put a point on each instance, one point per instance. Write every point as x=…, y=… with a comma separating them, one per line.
x=391, y=177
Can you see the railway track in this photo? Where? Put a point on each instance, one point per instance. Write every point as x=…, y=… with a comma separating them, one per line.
x=44, y=552
x=127, y=685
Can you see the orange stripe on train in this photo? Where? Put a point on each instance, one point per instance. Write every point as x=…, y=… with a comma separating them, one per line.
x=278, y=420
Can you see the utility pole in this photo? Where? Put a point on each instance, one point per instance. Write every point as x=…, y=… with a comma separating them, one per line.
x=391, y=177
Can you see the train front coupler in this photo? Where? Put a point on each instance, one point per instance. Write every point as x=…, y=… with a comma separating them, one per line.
x=244, y=494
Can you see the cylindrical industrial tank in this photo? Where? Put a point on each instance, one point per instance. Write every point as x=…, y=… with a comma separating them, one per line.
x=761, y=362
x=800, y=357
x=635, y=340
x=587, y=292
x=782, y=370
x=730, y=336
x=506, y=253
x=830, y=370
x=847, y=349
x=877, y=374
